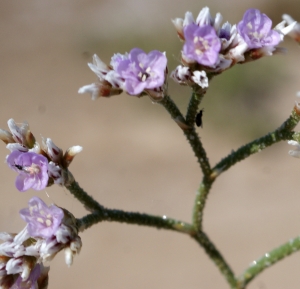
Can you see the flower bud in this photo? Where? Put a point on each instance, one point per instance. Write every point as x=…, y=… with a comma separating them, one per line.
x=178, y=23
x=70, y=154
x=22, y=134
x=6, y=136
x=293, y=29
x=73, y=249
x=54, y=152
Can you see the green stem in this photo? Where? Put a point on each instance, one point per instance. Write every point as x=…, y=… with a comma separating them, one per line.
x=161, y=223
x=83, y=197
x=100, y=213
x=200, y=202
x=216, y=257
x=282, y=133
x=267, y=260
x=135, y=218
x=193, y=106
x=200, y=153
x=189, y=132
x=172, y=108
x=192, y=135
x=198, y=150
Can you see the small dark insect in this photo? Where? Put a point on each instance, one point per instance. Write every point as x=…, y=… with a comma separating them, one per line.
x=198, y=119
x=24, y=169
x=19, y=167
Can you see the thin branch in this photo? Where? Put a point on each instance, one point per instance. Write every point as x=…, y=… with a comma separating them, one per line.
x=267, y=260
x=100, y=213
x=284, y=132
x=216, y=257
x=189, y=132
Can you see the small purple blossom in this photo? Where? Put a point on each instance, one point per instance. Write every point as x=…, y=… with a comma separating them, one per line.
x=43, y=221
x=201, y=44
x=32, y=169
x=141, y=71
x=255, y=29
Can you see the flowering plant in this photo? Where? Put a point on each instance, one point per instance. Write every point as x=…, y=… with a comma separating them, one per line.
x=209, y=49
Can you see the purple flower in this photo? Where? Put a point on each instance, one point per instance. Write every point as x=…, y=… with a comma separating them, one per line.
x=32, y=169
x=201, y=44
x=255, y=29
x=141, y=71
x=43, y=221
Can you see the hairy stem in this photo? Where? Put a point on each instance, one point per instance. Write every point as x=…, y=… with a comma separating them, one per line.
x=135, y=218
x=83, y=197
x=267, y=260
x=200, y=202
x=282, y=133
x=193, y=106
x=100, y=213
x=216, y=257
x=189, y=132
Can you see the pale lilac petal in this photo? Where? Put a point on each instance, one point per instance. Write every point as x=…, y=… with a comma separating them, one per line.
x=116, y=59
x=32, y=169
x=43, y=221
x=255, y=29
x=142, y=71
x=202, y=44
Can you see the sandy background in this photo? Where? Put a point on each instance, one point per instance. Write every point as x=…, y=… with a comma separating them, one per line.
x=135, y=158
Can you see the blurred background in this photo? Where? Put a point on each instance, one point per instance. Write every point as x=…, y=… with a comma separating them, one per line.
x=136, y=158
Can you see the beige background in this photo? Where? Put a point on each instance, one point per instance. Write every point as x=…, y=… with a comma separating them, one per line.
x=135, y=158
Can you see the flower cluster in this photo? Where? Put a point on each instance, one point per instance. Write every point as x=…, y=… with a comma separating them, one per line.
x=212, y=48
x=135, y=72
x=48, y=231
x=209, y=48
x=37, y=165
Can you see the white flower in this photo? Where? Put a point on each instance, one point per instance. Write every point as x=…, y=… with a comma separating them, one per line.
x=293, y=28
x=99, y=67
x=239, y=48
x=200, y=78
x=182, y=74
x=55, y=172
